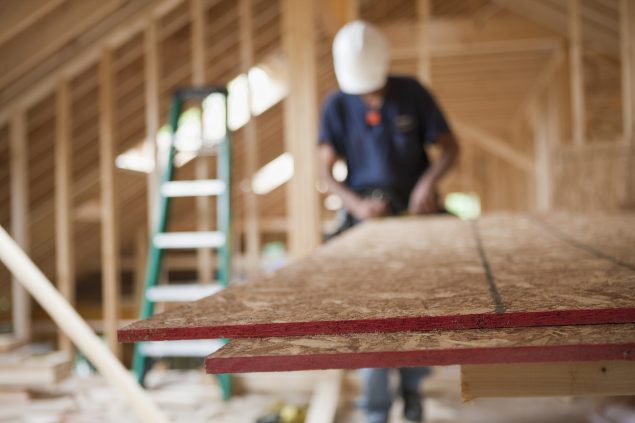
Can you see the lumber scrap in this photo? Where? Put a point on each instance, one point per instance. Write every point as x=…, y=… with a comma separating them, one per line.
x=34, y=370
x=9, y=342
x=413, y=273
x=548, y=379
x=431, y=348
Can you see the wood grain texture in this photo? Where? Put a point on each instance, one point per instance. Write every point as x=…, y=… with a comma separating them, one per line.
x=405, y=274
x=403, y=349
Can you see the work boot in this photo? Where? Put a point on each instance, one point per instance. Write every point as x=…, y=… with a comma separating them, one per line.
x=412, y=409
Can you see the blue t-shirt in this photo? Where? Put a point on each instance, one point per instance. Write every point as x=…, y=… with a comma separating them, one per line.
x=390, y=154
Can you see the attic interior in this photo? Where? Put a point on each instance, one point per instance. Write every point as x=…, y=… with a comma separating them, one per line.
x=539, y=93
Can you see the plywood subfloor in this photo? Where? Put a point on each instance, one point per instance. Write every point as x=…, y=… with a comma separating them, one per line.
x=431, y=348
x=416, y=273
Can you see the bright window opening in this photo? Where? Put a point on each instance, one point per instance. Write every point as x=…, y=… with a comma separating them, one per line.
x=259, y=90
x=464, y=205
x=273, y=174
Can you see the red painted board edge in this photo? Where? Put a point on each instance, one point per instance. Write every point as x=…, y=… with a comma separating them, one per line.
x=394, y=324
x=441, y=357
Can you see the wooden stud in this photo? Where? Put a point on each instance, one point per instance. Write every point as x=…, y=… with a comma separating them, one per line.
x=251, y=219
x=627, y=21
x=20, y=301
x=76, y=328
x=109, y=236
x=627, y=32
x=578, y=118
x=494, y=145
x=139, y=268
x=336, y=13
x=542, y=156
x=64, y=239
x=423, y=59
x=203, y=204
x=325, y=398
x=151, y=56
x=540, y=83
x=300, y=131
x=548, y=379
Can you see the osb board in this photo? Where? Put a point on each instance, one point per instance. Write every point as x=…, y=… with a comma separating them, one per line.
x=404, y=349
x=417, y=273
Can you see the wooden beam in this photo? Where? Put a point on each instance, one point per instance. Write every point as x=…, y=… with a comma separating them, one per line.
x=76, y=328
x=493, y=145
x=481, y=48
x=542, y=156
x=325, y=398
x=451, y=37
x=300, y=131
x=203, y=204
x=578, y=118
x=423, y=46
x=151, y=61
x=52, y=34
x=139, y=266
x=544, y=78
x=109, y=236
x=64, y=236
x=548, y=379
x=544, y=14
x=18, y=16
x=250, y=139
x=627, y=32
x=80, y=62
x=336, y=13
x=20, y=301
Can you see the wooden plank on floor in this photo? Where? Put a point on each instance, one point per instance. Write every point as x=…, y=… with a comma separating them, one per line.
x=413, y=273
x=325, y=398
x=431, y=348
x=34, y=370
x=548, y=379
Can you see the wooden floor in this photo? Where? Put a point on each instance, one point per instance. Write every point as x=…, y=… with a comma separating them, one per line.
x=191, y=397
x=406, y=274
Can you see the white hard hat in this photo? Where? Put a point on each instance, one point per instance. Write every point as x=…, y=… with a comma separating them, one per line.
x=361, y=57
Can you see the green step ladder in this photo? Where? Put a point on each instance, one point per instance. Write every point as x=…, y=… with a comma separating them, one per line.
x=162, y=240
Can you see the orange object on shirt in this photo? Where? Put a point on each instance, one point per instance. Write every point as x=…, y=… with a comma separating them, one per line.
x=373, y=117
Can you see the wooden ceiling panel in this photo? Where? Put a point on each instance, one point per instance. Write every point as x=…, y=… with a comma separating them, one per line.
x=175, y=51
x=456, y=8
x=266, y=28
x=380, y=10
x=54, y=30
x=40, y=141
x=174, y=19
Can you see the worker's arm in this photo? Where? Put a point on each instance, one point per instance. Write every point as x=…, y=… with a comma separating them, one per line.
x=360, y=208
x=423, y=198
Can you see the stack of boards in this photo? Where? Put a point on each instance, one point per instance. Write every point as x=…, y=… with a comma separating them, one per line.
x=414, y=291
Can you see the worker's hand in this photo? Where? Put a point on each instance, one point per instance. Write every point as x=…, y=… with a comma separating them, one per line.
x=367, y=208
x=423, y=199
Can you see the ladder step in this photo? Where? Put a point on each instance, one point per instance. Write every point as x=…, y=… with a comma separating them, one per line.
x=182, y=292
x=205, y=187
x=189, y=240
x=193, y=348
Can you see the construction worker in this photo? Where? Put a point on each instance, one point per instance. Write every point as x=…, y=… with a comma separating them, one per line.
x=378, y=124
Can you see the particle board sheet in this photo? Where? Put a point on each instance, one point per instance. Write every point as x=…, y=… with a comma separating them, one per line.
x=407, y=349
x=423, y=273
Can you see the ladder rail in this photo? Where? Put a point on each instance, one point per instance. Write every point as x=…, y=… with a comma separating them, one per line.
x=155, y=252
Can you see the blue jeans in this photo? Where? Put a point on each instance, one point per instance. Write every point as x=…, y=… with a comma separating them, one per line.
x=376, y=397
